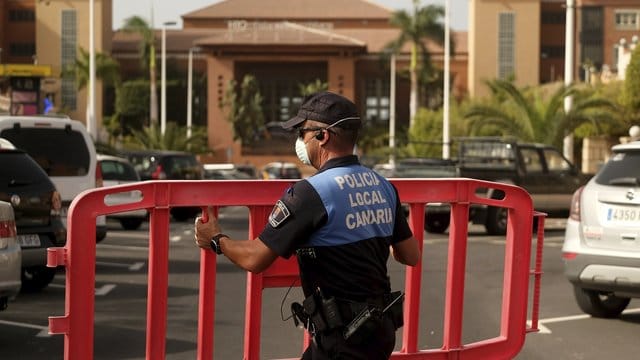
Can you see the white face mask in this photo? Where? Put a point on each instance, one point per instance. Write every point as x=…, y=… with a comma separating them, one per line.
x=301, y=151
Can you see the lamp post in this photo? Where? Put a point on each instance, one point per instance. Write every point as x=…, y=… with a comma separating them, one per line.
x=567, y=147
x=446, y=150
x=91, y=116
x=190, y=90
x=163, y=81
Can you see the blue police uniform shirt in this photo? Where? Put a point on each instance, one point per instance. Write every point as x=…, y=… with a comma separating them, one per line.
x=340, y=223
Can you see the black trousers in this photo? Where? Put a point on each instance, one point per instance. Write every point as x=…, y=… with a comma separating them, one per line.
x=332, y=345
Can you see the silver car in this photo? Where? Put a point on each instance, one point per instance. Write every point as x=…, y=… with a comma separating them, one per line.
x=601, y=248
x=10, y=256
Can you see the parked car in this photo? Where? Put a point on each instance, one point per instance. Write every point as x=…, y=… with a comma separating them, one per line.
x=437, y=215
x=601, y=248
x=168, y=165
x=248, y=169
x=10, y=256
x=64, y=149
x=281, y=170
x=224, y=172
x=37, y=206
x=118, y=171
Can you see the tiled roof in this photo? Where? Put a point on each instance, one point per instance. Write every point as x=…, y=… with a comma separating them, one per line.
x=377, y=39
x=292, y=10
x=177, y=40
x=281, y=33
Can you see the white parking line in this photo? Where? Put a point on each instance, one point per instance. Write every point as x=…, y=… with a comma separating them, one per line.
x=101, y=291
x=545, y=330
x=133, y=267
x=123, y=247
x=44, y=330
x=105, y=289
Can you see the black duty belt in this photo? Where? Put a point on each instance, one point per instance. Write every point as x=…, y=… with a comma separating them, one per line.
x=320, y=314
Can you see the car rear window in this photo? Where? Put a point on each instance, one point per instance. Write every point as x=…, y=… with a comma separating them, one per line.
x=182, y=167
x=115, y=170
x=622, y=169
x=60, y=152
x=19, y=169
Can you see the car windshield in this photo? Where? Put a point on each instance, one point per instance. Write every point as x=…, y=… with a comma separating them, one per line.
x=59, y=152
x=621, y=170
x=116, y=170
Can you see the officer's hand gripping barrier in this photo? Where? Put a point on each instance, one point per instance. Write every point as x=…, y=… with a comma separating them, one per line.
x=79, y=256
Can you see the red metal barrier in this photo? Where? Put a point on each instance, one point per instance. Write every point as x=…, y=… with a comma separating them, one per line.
x=259, y=197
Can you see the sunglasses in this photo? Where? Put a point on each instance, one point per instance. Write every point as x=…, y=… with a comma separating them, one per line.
x=302, y=131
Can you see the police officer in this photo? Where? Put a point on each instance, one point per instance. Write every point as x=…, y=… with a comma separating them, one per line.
x=341, y=223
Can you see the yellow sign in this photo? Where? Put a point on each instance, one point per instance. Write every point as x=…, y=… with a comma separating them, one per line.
x=25, y=70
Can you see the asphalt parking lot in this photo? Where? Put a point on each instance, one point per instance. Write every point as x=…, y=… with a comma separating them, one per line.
x=121, y=292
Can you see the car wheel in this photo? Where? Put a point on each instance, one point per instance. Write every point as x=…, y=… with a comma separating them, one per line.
x=100, y=235
x=36, y=278
x=436, y=223
x=496, y=223
x=599, y=304
x=131, y=224
x=184, y=213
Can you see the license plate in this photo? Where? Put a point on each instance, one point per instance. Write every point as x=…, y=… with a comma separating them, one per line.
x=622, y=215
x=29, y=240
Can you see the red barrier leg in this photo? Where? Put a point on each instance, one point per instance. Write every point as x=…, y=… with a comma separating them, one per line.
x=158, y=283
x=456, y=265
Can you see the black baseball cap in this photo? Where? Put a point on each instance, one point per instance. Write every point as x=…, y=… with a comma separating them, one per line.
x=326, y=107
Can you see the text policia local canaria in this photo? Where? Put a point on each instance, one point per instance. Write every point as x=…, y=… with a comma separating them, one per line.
x=364, y=197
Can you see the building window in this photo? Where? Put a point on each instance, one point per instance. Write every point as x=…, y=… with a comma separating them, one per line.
x=376, y=100
x=22, y=15
x=553, y=18
x=69, y=43
x=506, y=45
x=627, y=19
x=552, y=52
x=22, y=49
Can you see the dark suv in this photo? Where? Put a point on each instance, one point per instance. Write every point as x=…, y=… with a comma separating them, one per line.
x=37, y=206
x=167, y=165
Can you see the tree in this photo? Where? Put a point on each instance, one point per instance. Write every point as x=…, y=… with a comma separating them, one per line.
x=138, y=25
x=174, y=138
x=107, y=69
x=629, y=97
x=243, y=107
x=536, y=116
x=424, y=23
x=313, y=87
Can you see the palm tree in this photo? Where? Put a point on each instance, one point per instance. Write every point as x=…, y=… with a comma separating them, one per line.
x=107, y=69
x=174, y=138
x=136, y=24
x=532, y=116
x=424, y=23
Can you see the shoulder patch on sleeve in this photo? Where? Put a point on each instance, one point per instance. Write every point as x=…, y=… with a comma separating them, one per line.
x=279, y=214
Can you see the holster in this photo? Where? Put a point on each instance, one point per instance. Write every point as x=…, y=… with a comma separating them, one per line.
x=358, y=320
x=322, y=313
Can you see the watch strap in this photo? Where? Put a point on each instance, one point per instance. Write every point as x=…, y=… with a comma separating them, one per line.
x=215, y=243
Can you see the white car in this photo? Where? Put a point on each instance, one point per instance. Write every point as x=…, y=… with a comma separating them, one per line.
x=119, y=171
x=601, y=248
x=64, y=149
x=10, y=256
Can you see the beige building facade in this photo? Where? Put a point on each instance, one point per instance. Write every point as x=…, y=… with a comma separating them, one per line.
x=504, y=43
x=61, y=30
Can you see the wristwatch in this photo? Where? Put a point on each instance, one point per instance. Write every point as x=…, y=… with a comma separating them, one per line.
x=215, y=243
